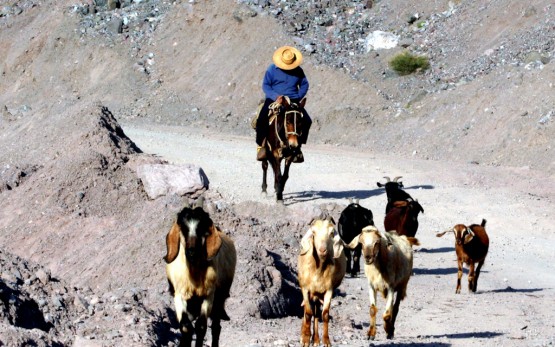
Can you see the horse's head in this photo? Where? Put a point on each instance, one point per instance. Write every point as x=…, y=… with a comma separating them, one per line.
x=293, y=120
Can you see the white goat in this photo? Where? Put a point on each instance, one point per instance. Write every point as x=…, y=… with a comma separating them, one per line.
x=388, y=267
x=200, y=269
x=321, y=267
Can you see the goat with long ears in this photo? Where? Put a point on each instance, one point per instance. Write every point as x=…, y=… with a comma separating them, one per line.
x=200, y=266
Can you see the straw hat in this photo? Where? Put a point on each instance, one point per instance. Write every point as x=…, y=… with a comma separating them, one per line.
x=287, y=58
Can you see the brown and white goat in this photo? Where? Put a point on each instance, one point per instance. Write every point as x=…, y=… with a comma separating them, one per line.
x=200, y=269
x=403, y=217
x=471, y=246
x=321, y=267
x=388, y=267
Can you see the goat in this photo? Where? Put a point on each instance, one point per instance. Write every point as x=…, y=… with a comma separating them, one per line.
x=403, y=217
x=388, y=267
x=200, y=266
x=321, y=268
x=471, y=246
x=394, y=192
x=351, y=221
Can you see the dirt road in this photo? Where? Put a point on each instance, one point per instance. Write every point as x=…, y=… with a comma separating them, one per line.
x=514, y=302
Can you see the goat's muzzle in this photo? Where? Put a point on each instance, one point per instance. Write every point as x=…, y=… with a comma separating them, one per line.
x=190, y=254
x=369, y=260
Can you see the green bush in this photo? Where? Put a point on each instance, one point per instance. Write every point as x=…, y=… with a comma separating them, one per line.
x=406, y=63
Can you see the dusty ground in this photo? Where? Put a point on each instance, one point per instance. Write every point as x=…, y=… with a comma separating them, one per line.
x=82, y=245
x=518, y=269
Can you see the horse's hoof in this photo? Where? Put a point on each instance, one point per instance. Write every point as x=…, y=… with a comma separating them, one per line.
x=280, y=202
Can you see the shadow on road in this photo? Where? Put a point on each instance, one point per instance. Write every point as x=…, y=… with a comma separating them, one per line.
x=479, y=334
x=513, y=290
x=310, y=195
x=435, y=250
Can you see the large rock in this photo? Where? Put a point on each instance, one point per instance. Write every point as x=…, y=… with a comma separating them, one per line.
x=165, y=179
x=381, y=40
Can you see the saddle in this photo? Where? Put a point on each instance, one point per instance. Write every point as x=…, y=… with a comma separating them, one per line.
x=273, y=109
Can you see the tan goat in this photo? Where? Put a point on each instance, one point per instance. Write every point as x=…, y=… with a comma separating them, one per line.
x=200, y=269
x=321, y=267
x=471, y=246
x=388, y=267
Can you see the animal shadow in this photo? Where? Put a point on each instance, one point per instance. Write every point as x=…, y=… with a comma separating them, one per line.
x=438, y=271
x=311, y=195
x=162, y=328
x=436, y=250
x=509, y=289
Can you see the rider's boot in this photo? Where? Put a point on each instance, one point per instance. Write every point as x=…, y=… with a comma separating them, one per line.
x=261, y=151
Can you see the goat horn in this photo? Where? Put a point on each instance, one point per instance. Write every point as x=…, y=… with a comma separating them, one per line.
x=445, y=232
x=387, y=178
x=396, y=178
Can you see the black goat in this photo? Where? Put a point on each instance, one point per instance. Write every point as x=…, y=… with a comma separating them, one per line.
x=394, y=192
x=353, y=218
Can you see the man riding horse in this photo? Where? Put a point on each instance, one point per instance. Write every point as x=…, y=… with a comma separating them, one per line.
x=283, y=78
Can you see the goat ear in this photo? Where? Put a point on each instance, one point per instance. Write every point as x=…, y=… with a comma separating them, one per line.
x=468, y=236
x=338, y=246
x=307, y=243
x=354, y=242
x=213, y=242
x=172, y=243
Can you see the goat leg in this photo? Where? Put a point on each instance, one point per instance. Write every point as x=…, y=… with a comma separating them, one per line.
x=200, y=330
x=356, y=260
x=326, y=318
x=477, y=275
x=307, y=320
x=398, y=298
x=348, y=253
x=216, y=328
x=186, y=329
x=305, y=329
x=388, y=314
x=471, y=278
x=459, y=276
x=315, y=332
x=373, y=313
x=372, y=329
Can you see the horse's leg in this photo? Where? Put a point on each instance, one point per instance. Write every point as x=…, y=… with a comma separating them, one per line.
x=264, y=173
x=276, y=166
x=283, y=179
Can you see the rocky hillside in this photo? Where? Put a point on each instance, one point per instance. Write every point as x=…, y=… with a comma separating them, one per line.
x=80, y=241
x=487, y=97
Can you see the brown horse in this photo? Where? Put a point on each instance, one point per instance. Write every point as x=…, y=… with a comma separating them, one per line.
x=285, y=119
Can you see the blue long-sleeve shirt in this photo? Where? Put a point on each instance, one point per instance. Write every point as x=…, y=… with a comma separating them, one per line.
x=291, y=83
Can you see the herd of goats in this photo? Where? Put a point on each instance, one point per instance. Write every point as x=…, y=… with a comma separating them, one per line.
x=201, y=260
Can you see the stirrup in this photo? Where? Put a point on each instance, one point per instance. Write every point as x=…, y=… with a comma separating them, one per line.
x=260, y=153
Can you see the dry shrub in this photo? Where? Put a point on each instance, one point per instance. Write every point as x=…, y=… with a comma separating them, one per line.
x=406, y=63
